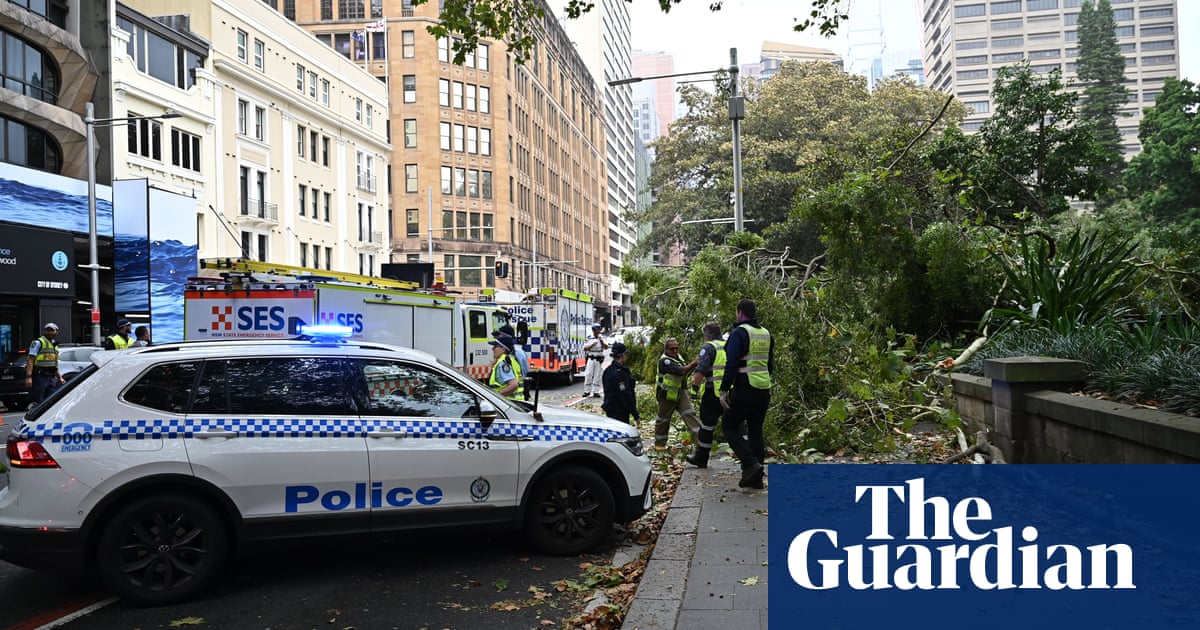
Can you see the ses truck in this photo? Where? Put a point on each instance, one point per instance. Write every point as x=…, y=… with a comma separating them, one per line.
x=552, y=325
x=260, y=300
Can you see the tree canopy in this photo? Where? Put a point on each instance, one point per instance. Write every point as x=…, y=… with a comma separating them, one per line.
x=1167, y=172
x=1101, y=72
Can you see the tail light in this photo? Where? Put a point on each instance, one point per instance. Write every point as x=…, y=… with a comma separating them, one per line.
x=27, y=453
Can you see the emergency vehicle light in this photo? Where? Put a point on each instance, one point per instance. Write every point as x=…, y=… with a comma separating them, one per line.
x=325, y=332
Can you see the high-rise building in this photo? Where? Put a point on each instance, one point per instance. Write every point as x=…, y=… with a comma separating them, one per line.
x=645, y=120
x=966, y=41
x=492, y=160
x=601, y=37
x=775, y=53
x=661, y=92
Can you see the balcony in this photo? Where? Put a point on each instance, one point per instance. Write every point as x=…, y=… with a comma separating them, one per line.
x=258, y=212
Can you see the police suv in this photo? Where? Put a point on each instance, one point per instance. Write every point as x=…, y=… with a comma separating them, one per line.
x=155, y=464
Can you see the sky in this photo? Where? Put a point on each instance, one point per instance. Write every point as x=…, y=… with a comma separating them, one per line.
x=701, y=39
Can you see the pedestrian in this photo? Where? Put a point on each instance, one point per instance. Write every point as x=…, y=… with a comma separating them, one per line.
x=506, y=370
x=620, y=399
x=671, y=395
x=710, y=369
x=121, y=339
x=41, y=365
x=746, y=391
x=141, y=336
x=526, y=376
x=594, y=349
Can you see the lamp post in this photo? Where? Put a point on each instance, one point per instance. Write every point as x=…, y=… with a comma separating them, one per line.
x=91, y=122
x=737, y=111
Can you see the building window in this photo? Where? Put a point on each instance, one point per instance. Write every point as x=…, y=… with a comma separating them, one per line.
x=470, y=97
x=313, y=138
x=444, y=92
x=980, y=107
x=481, y=57
x=1150, y=31
x=185, y=150
x=970, y=10
x=326, y=9
x=351, y=9
x=1007, y=57
x=303, y=254
x=444, y=132
x=378, y=46
x=324, y=151
x=412, y=227
x=971, y=61
x=473, y=140
x=485, y=100
x=328, y=201
x=1158, y=60
x=408, y=44
x=446, y=180
x=153, y=55
x=410, y=178
x=473, y=183
x=485, y=185
x=460, y=182
x=457, y=96
x=317, y=256
x=28, y=146
x=316, y=197
x=1166, y=44
x=325, y=91
x=260, y=54
x=485, y=141
x=243, y=114
x=243, y=40
x=1008, y=42
x=1013, y=6
x=410, y=133
x=301, y=135
x=302, y=199
x=145, y=137
x=370, y=116
x=260, y=122
x=358, y=110
x=444, y=51
x=459, y=137
x=410, y=88
x=1041, y=5
x=1153, y=13
x=300, y=74
x=971, y=44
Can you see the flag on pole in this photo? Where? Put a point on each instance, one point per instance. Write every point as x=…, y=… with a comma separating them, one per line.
x=377, y=26
x=358, y=36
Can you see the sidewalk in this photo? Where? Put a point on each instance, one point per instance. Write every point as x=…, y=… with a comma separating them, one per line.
x=713, y=541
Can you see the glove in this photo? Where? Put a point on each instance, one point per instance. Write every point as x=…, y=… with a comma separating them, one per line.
x=725, y=400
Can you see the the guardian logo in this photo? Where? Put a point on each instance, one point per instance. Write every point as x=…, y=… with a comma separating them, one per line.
x=945, y=546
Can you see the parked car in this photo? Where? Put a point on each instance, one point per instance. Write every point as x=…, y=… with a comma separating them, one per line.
x=233, y=443
x=630, y=335
x=13, y=391
x=72, y=359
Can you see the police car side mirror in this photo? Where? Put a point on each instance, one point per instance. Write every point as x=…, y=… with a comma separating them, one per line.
x=487, y=413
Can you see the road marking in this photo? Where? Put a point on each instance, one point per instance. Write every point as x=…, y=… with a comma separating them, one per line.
x=64, y=614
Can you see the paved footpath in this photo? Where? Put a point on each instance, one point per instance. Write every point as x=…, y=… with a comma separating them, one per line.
x=708, y=569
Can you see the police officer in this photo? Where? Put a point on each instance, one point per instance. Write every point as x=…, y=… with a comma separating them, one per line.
x=594, y=349
x=672, y=396
x=41, y=367
x=120, y=339
x=710, y=370
x=746, y=391
x=620, y=397
x=506, y=370
x=507, y=331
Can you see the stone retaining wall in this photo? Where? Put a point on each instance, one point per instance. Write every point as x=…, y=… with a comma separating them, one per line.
x=1026, y=407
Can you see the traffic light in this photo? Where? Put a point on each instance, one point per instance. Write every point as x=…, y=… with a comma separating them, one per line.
x=501, y=269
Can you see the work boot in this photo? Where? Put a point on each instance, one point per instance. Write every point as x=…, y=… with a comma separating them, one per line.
x=752, y=476
x=699, y=459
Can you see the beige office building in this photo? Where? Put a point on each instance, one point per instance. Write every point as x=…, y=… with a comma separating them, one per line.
x=291, y=139
x=493, y=161
x=966, y=41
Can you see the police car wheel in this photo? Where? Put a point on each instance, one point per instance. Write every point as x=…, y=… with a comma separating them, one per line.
x=569, y=512
x=161, y=549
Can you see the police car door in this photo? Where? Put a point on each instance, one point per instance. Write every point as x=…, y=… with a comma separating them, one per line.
x=428, y=451
x=282, y=437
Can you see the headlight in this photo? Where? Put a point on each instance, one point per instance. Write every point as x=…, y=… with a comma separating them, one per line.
x=631, y=442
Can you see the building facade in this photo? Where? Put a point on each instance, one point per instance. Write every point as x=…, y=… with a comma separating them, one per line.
x=493, y=161
x=966, y=41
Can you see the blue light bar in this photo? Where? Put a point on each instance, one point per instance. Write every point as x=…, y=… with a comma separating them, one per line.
x=326, y=332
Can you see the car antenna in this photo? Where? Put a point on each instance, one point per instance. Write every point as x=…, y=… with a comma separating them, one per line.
x=537, y=394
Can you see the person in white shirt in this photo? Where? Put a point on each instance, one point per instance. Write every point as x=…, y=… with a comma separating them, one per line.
x=594, y=349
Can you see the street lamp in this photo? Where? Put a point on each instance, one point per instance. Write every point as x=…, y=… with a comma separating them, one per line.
x=737, y=111
x=91, y=122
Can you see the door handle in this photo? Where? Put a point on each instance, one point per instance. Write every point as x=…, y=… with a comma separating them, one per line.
x=509, y=438
x=386, y=433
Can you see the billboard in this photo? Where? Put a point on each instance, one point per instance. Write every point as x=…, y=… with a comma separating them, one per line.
x=37, y=262
x=40, y=199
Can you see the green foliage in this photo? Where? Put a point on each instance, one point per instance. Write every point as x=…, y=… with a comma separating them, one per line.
x=1153, y=362
x=1166, y=174
x=1101, y=71
x=1063, y=284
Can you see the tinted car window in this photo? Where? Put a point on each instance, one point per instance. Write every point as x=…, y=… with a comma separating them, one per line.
x=164, y=387
x=395, y=388
x=273, y=386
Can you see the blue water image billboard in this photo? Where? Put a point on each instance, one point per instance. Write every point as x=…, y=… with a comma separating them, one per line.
x=1004, y=546
x=41, y=199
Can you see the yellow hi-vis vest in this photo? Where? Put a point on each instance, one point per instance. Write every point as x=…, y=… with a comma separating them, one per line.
x=47, y=356
x=718, y=369
x=513, y=364
x=120, y=343
x=755, y=363
x=670, y=383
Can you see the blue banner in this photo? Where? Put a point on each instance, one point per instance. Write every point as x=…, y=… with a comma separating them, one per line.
x=908, y=546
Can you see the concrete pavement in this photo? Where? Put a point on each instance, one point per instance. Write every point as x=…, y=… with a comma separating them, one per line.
x=709, y=565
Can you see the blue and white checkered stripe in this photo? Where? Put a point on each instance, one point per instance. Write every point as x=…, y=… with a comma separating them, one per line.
x=175, y=428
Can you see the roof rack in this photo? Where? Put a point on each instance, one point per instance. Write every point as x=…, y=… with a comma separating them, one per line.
x=303, y=274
